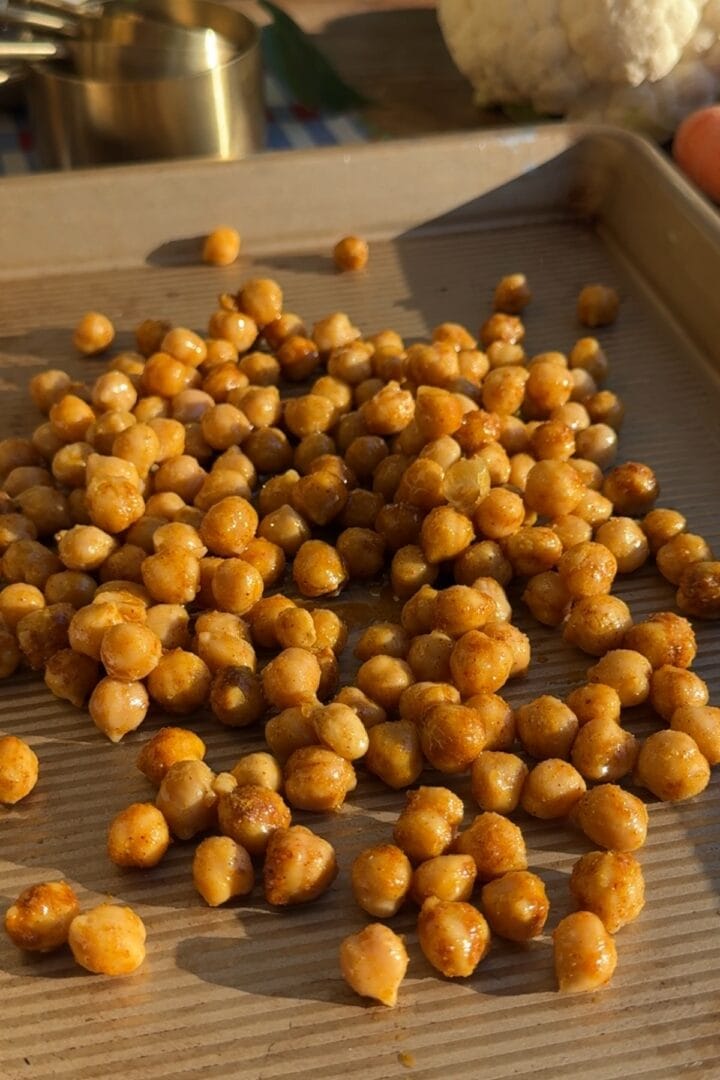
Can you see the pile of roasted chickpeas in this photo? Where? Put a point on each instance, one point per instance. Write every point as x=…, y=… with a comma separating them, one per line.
x=154, y=523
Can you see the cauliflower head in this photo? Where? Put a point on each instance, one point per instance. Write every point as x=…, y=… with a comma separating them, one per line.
x=640, y=63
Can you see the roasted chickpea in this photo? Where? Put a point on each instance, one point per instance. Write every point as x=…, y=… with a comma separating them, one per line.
x=351, y=253
x=394, y=753
x=480, y=664
x=339, y=728
x=108, y=940
x=699, y=592
x=671, y=766
x=318, y=569
x=18, y=769
x=168, y=746
x=381, y=878
x=597, y=624
x=547, y=728
x=585, y=954
x=186, y=798
x=446, y=877
x=497, y=780
x=626, y=671
x=222, y=870
x=603, y=750
x=516, y=905
x=221, y=247
x=597, y=305
x=299, y=866
x=236, y=586
x=551, y=789
x=39, y=920
x=612, y=818
x=547, y=598
x=661, y=525
x=117, y=707
x=130, y=651
x=180, y=682
x=512, y=294
x=71, y=676
x=610, y=884
x=384, y=678
x=453, y=935
x=93, y=334
x=19, y=600
x=259, y=769
x=594, y=701
x=682, y=551
x=138, y=836
x=318, y=779
x=496, y=845
x=373, y=963
x=28, y=562
x=664, y=638
x=172, y=576
x=291, y=678
x=42, y=633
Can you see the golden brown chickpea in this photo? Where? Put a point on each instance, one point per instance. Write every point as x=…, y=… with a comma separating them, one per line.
x=152, y=407
x=632, y=488
x=410, y=570
x=45, y=442
x=47, y=509
x=498, y=718
x=460, y=608
x=298, y=357
x=680, y=552
x=480, y=664
x=108, y=940
x=553, y=488
x=612, y=818
x=28, y=562
x=295, y=629
x=19, y=769
x=610, y=884
x=250, y=815
x=497, y=780
x=447, y=877
x=221, y=247
x=587, y=569
x=518, y=642
x=168, y=746
x=584, y=953
x=318, y=569
x=222, y=870
x=236, y=586
x=422, y=831
x=603, y=751
x=584, y=386
x=699, y=592
x=299, y=866
x=85, y=547
x=547, y=598
x=672, y=687
x=71, y=676
x=594, y=701
x=502, y=327
x=453, y=935
x=664, y=638
x=171, y=576
x=24, y=477
x=259, y=769
x=421, y=696
x=330, y=630
x=627, y=542
x=533, y=550
x=219, y=352
x=351, y=253
x=47, y=387
x=19, y=600
x=495, y=844
x=399, y=524
x=180, y=682
x=626, y=671
x=394, y=753
x=546, y=727
x=662, y=525
x=383, y=638
x=236, y=696
x=512, y=294
x=587, y=354
x=138, y=836
x=671, y=766
x=702, y=724
x=388, y=411
x=292, y=678
x=93, y=334
x=597, y=624
x=384, y=678
x=229, y=525
x=516, y=905
x=171, y=438
x=553, y=440
x=320, y=496
x=551, y=789
x=39, y=920
x=429, y=656
x=597, y=305
x=452, y=736
x=233, y=326
x=373, y=963
x=597, y=443
x=381, y=877
x=290, y=730
x=316, y=778
x=262, y=619
x=186, y=798
x=500, y=514
x=42, y=633
x=117, y=707
x=286, y=528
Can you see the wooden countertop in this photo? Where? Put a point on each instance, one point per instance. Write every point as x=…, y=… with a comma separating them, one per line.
x=392, y=51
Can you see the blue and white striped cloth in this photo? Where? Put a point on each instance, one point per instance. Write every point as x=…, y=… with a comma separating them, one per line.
x=289, y=126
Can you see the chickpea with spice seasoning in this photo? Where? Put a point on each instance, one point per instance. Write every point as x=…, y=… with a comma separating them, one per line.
x=39, y=920
x=108, y=940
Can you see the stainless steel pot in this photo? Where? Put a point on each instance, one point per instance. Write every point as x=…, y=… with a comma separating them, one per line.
x=215, y=113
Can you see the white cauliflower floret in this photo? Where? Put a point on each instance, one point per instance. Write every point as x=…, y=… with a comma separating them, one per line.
x=640, y=63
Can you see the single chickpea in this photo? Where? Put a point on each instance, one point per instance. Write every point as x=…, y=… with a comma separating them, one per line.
x=168, y=746
x=262, y=619
x=446, y=877
x=429, y=656
x=318, y=779
x=584, y=953
x=362, y=551
x=632, y=488
x=39, y=920
x=452, y=736
x=291, y=678
x=453, y=935
x=496, y=845
x=351, y=253
x=410, y=570
x=236, y=696
x=498, y=718
x=500, y=514
x=671, y=766
x=664, y=638
x=148, y=335
x=497, y=781
x=594, y=701
x=18, y=770
x=117, y=707
x=286, y=528
x=233, y=326
x=480, y=664
x=388, y=411
x=699, y=592
x=682, y=551
x=373, y=963
x=93, y=334
x=318, y=569
x=384, y=678
x=71, y=676
x=361, y=509
x=587, y=354
x=516, y=905
x=612, y=818
x=603, y=750
x=298, y=356
x=381, y=878
x=627, y=542
x=547, y=728
x=551, y=790
x=299, y=866
x=512, y=294
x=259, y=769
x=108, y=940
x=221, y=247
x=171, y=576
x=138, y=836
x=236, y=586
x=502, y=327
x=47, y=387
x=702, y=724
x=533, y=550
x=89, y=624
x=290, y=730
x=553, y=488
x=250, y=815
x=626, y=671
x=18, y=600
x=28, y=562
x=673, y=687
x=339, y=728
x=130, y=651
x=661, y=525
x=295, y=628
x=597, y=443
x=186, y=798
x=384, y=638
x=461, y=608
x=611, y=885
x=394, y=753
x=368, y=710
x=222, y=870
x=587, y=569
x=42, y=633
x=547, y=598
x=597, y=305
x=180, y=682
x=597, y=624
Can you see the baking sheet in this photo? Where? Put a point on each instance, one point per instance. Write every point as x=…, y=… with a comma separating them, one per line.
x=249, y=992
